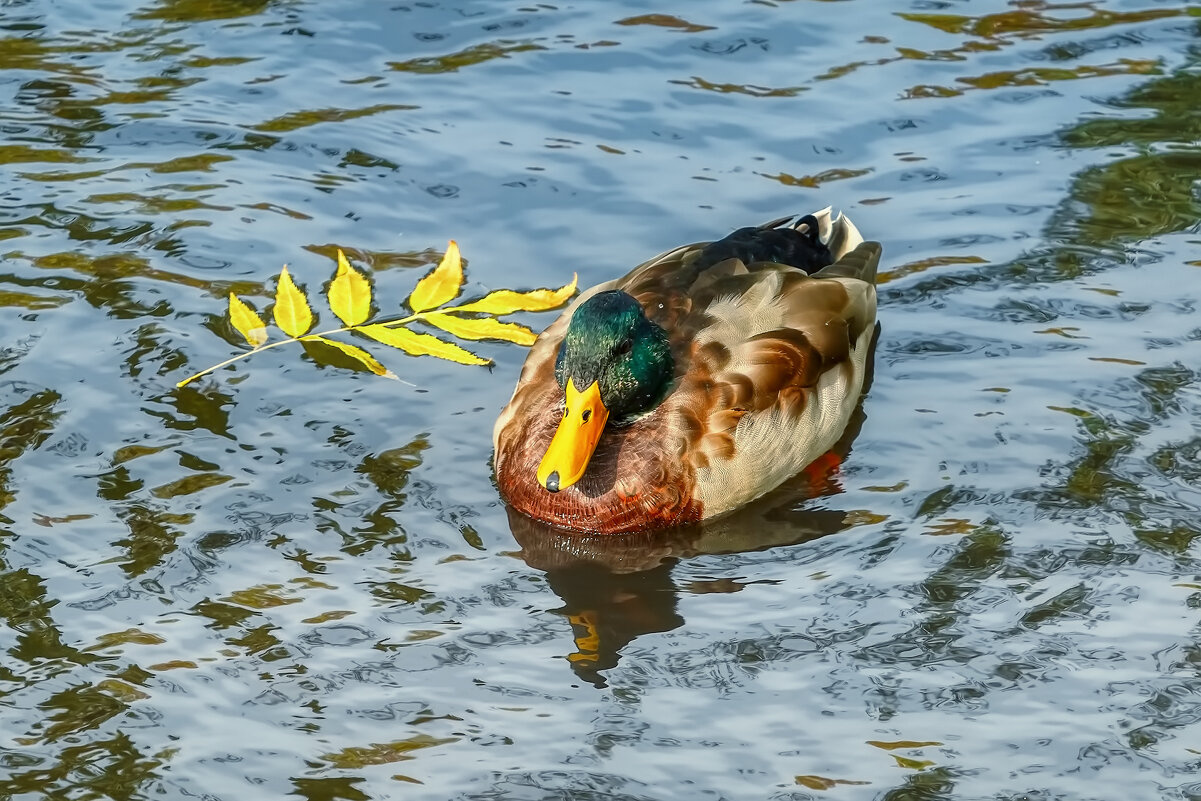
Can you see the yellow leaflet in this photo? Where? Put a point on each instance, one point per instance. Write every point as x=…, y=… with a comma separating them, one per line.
x=506, y=301
x=247, y=321
x=420, y=344
x=358, y=354
x=292, y=312
x=442, y=284
x=349, y=293
x=481, y=328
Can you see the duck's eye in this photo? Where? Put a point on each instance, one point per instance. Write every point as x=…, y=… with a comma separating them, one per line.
x=623, y=347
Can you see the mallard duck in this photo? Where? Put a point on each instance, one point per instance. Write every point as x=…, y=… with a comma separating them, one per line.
x=699, y=381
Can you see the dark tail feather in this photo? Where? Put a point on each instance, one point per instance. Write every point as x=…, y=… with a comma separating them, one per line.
x=791, y=246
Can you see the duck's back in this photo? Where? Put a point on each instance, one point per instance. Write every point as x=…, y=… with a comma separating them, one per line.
x=776, y=371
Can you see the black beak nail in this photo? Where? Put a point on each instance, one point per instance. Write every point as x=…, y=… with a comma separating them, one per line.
x=552, y=481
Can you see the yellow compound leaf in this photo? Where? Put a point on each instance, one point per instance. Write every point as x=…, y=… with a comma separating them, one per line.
x=292, y=312
x=349, y=293
x=481, y=328
x=442, y=284
x=358, y=354
x=506, y=301
x=247, y=321
x=421, y=344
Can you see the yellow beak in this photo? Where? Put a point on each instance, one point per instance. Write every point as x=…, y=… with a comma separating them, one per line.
x=566, y=459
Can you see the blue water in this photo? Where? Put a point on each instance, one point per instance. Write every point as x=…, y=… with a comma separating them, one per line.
x=290, y=578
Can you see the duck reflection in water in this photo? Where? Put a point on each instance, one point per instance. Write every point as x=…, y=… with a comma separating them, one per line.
x=618, y=587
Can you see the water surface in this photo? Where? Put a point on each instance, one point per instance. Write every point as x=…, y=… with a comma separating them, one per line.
x=289, y=579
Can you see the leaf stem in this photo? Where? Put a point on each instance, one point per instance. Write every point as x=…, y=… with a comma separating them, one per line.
x=412, y=318
x=269, y=346
x=233, y=359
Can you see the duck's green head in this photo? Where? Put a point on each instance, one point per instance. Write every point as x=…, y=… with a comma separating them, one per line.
x=614, y=364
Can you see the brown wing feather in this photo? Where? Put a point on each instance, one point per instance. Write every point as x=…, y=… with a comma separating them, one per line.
x=776, y=371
